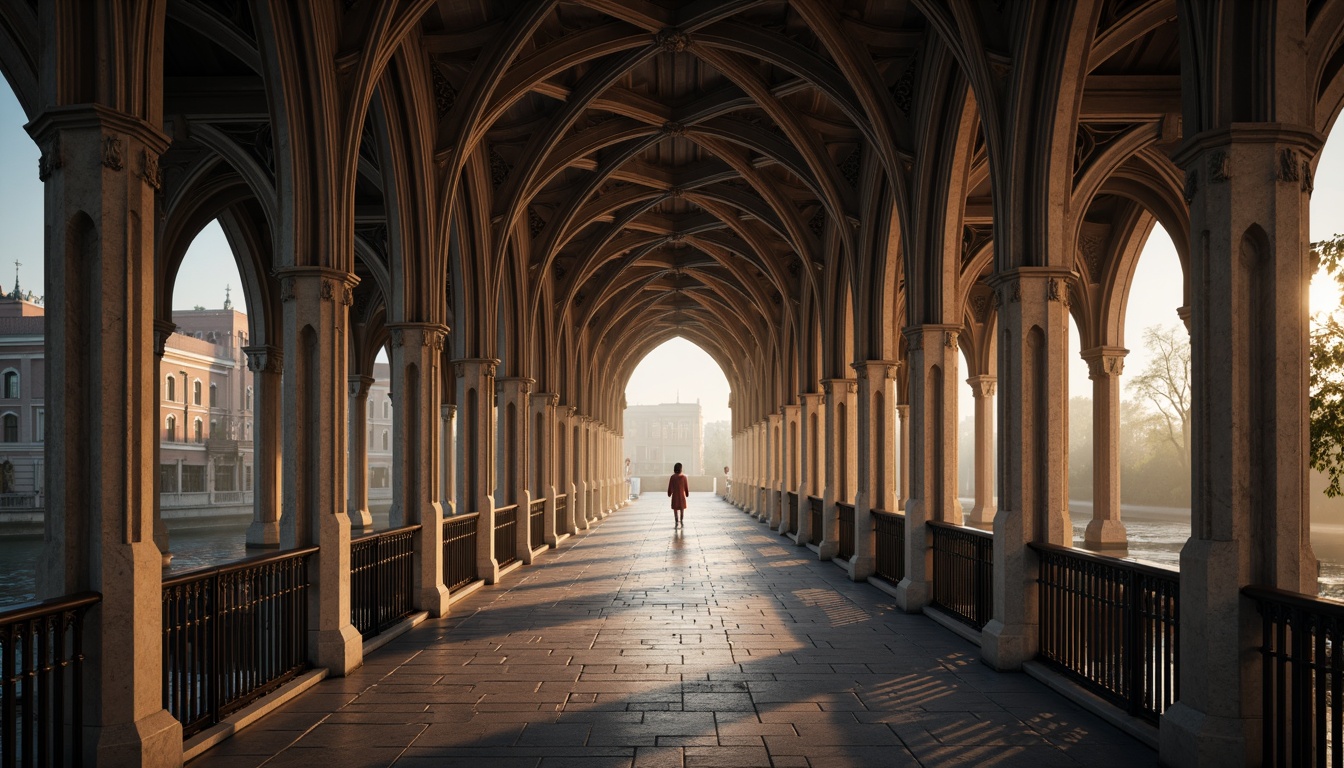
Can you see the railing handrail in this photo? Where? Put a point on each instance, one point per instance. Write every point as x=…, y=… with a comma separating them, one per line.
x=960, y=529
x=886, y=513
x=1325, y=606
x=389, y=532
x=460, y=516
x=538, y=503
x=506, y=508
x=844, y=505
x=236, y=565
x=35, y=608
x=1140, y=566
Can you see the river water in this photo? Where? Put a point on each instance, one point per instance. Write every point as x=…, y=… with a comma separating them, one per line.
x=1155, y=536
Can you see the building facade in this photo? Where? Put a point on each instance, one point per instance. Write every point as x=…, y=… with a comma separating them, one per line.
x=659, y=436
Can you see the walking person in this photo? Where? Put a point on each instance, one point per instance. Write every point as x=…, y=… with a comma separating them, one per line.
x=678, y=487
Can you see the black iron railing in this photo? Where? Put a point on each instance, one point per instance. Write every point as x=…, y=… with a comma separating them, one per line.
x=382, y=579
x=793, y=512
x=1111, y=625
x=506, y=539
x=459, y=550
x=537, y=518
x=561, y=503
x=963, y=572
x=844, y=515
x=1302, y=658
x=889, y=535
x=233, y=634
x=814, y=510
x=42, y=681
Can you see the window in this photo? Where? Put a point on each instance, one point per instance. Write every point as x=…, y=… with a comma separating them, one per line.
x=249, y=399
x=193, y=478
x=171, y=434
x=214, y=427
x=167, y=478
x=387, y=408
x=11, y=422
x=196, y=392
x=384, y=439
x=224, y=477
x=197, y=429
x=39, y=425
x=11, y=385
x=214, y=396
x=171, y=389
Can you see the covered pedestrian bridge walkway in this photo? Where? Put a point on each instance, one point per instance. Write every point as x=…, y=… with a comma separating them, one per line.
x=851, y=205
x=722, y=644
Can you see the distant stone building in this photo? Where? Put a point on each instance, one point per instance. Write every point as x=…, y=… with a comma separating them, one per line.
x=658, y=436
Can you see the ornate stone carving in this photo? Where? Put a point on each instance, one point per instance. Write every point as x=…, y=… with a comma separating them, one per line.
x=499, y=169
x=328, y=290
x=903, y=90
x=1089, y=142
x=1191, y=185
x=445, y=95
x=286, y=289
x=534, y=222
x=818, y=222
x=1220, y=167
x=552, y=399
x=348, y=296
x=1015, y=291
x=852, y=165
x=395, y=338
x=359, y=386
x=149, y=169
x=672, y=40
x=973, y=238
x=980, y=307
x=1089, y=252
x=1288, y=165
x=112, y=153
x=50, y=159
x=950, y=339
x=674, y=128
x=1308, y=183
x=914, y=339
x=264, y=359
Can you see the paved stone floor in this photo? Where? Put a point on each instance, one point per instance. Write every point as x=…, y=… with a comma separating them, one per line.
x=639, y=646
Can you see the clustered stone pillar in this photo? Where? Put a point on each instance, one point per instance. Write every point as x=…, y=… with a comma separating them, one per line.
x=903, y=458
x=448, y=462
x=417, y=351
x=1033, y=454
x=577, y=512
x=841, y=473
x=511, y=455
x=876, y=380
x=316, y=309
x=543, y=484
x=790, y=427
x=162, y=330
x=982, y=390
x=266, y=364
x=814, y=468
x=1105, y=530
x=475, y=465
x=357, y=460
x=101, y=174
x=933, y=454
x=1249, y=187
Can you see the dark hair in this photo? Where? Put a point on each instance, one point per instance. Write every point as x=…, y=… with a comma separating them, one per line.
x=676, y=468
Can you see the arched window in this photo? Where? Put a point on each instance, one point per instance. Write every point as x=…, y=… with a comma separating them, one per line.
x=171, y=434
x=384, y=439
x=11, y=384
x=249, y=399
x=197, y=430
x=214, y=426
x=214, y=396
x=196, y=392
x=387, y=408
x=11, y=422
x=170, y=391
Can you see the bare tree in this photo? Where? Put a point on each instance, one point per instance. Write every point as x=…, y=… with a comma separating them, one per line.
x=1327, y=372
x=1165, y=383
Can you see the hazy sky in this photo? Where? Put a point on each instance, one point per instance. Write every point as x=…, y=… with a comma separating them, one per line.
x=677, y=369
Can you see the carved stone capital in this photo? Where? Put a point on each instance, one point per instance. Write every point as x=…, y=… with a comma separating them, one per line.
x=50, y=160
x=162, y=330
x=983, y=386
x=359, y=386
x=264, y=359
x=672, y=40
x=1104, y=362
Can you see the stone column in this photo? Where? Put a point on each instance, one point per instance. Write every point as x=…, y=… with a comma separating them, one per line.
x=316, y=309
x=792, y=434
x=982, y=390
x=266, y=364
x=357, y=456
x=448, y=458
x=1033, y=453
x=417, y=352
x=813, y=443
x=569, y=473
x=162, y=330
x=581, y=483
x=933, y=454
x=903, y=459
x=1105, y=530
x=514, y=395
x=1249, y=186
x=774, y=429
x=101, y=174
x=543, y=406
x=841, y=472
x=876, y=381
x=476, y=459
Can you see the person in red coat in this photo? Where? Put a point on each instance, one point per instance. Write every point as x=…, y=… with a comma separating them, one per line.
x=678, y=487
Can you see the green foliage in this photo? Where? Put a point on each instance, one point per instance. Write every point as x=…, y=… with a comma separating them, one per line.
x=1327, y=373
